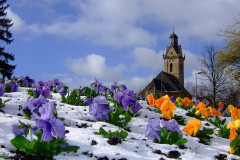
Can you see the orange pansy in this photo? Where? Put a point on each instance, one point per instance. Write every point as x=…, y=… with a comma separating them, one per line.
x=233, y=134
x=220, y=105
x=235, y=113
x=201, y=105
x=193, y=126
x=167, y=109
x=216, y=112
x=187, y=101
x=233, y=126
x=151, y=100
x=159, y=102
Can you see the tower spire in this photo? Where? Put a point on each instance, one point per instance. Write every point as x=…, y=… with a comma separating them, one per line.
x=173, y=28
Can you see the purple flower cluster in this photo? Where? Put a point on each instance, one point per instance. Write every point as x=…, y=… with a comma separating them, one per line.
x=172, y=125
x=154, y=127
x=99, y=108
x=25, y=81
x=61, y=89
x=35, y=104
x=127, y=101
x=12, y=85
x=48, y=122
x=98, y=87
x=2, y=89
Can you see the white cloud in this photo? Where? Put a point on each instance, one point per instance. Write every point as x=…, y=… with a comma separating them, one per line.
x=19, y=24
x=95, y=66
x=191, y=61
x=122, y=23
x=148, y=58
x=137, y=83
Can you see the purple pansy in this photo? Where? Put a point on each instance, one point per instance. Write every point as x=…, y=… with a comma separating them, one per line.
x=172, y=99
x=98, y=87
x=122, y=87
x=172, y=125
x=226, y=111
x=13, y=85
x=61, y=89
x=153, y=129
x=113, y=87
x=29, y=80
x=2, y=89
x=49, y=124
x=35, y=103
x=139, y=96
x=16, y=130
x=197, y=102
x=127, y=101
x=135, y=108
x=89, y=101
x=99, y=108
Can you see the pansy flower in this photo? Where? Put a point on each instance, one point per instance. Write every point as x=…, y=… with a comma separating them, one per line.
x=193, y=126
x=235, y=112
x=167, y=109
x=153, y=129
x=48, y=123
x=151, y=100
x=2, y=89
x=186, y=101
x=99, y=108
x=230, y=107
x=220, y=105
x=16, y=130
x=234, y=129
x=172, y=125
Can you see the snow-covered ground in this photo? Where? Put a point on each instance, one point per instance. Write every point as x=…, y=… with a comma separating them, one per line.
x=80, y=126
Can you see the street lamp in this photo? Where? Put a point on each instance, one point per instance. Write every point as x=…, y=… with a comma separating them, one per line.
x=196, y=73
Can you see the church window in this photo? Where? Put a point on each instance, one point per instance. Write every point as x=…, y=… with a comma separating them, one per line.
x=171, y=68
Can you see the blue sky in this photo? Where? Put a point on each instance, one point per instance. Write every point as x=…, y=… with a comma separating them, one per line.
x=112, y=40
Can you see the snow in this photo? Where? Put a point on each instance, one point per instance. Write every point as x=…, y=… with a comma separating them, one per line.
x=81, y=126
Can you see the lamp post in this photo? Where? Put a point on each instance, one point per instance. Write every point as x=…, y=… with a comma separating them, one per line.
x=196, y=73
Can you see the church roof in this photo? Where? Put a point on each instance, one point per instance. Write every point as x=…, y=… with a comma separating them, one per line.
x=173, y=35
x=165, y=82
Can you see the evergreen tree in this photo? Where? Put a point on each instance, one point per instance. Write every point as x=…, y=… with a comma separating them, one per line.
x=6, y=69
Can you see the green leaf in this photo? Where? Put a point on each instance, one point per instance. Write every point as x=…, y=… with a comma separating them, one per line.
x=38, y=133
x=235, y=142
x=123, y=134
x=21, y=143
x=70, y=149
x=103, y=132
x=181, y=141
x=27, y=113
x=96, y=133
x=26, y=131
x=7, y=100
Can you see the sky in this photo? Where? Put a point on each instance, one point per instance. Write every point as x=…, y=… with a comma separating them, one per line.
x=76, y=41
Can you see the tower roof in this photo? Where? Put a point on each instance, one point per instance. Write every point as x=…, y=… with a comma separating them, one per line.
x=173, y=35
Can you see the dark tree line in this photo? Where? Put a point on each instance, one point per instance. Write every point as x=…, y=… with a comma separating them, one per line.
x=6, y=69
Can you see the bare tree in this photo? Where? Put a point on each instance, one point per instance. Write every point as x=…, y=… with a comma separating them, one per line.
x=214, y=77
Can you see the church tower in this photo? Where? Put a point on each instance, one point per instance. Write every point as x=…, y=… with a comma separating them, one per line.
x=174, y=60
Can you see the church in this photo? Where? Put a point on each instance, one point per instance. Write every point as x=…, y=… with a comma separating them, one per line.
x=171, y=80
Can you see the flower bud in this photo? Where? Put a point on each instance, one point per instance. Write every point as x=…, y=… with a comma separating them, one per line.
x=197, y=112
x=217, y=133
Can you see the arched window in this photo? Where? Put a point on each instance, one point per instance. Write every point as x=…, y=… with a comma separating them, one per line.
x=171, y=68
